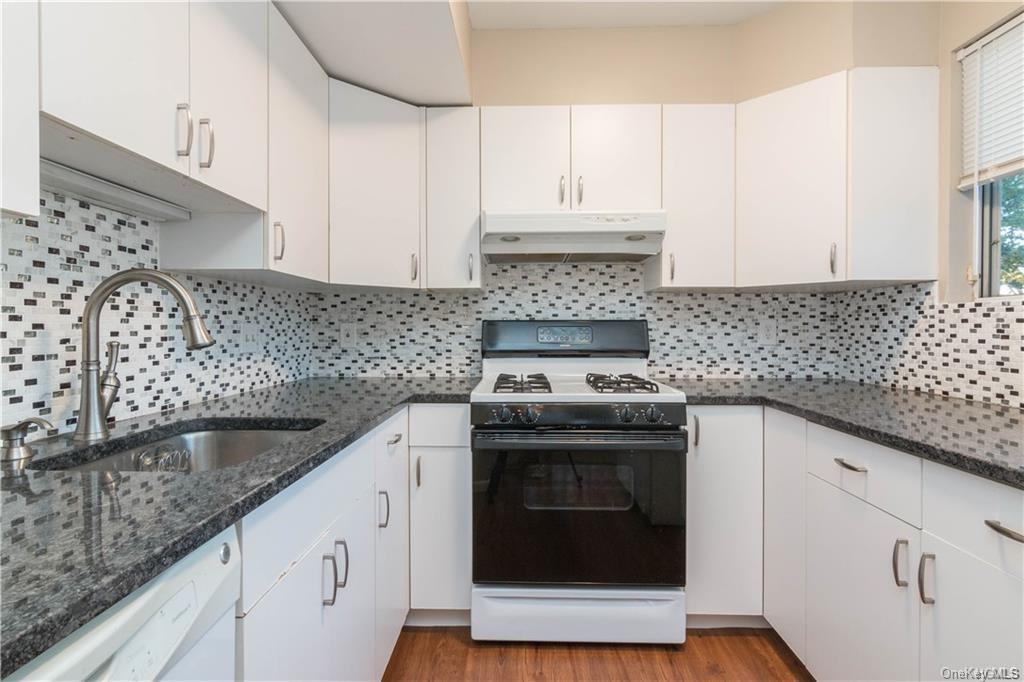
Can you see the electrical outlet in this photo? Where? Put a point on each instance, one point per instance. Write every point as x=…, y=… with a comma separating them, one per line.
x=768, y=330
x=346, y=335
x=250, y=338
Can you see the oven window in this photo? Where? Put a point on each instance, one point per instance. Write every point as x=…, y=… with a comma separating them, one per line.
x=567, y=485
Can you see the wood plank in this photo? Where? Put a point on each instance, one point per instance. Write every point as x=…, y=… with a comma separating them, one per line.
x=450, y=654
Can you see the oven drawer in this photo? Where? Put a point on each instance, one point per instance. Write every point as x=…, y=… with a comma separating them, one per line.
x=590, y=440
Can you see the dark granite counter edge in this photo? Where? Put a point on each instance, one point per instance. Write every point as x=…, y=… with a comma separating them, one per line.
x=47, y=632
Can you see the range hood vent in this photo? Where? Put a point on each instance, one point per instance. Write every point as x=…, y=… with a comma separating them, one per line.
x=571, y=236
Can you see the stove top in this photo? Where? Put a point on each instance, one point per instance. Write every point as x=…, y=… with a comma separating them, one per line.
x=620, y=383
x=532, y=383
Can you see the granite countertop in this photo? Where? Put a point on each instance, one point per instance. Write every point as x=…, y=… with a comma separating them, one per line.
x=73, y=545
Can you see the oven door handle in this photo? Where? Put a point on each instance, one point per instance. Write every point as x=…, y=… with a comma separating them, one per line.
x=531, y=440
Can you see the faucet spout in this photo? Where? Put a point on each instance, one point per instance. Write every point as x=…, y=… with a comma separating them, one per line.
x=93, y=409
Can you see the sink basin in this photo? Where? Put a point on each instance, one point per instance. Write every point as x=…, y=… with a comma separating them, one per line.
x=191, y=451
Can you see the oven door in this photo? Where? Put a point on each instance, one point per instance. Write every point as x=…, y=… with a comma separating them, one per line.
x=579, y=507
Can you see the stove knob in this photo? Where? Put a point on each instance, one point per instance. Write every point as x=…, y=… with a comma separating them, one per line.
x=531, y=415
x=627, y=415
x=504, y=414
x=652, y=414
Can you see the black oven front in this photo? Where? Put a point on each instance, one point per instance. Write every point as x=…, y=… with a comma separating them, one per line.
x=579, y=507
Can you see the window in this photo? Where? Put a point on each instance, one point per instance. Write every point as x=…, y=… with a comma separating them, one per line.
x=992, y=146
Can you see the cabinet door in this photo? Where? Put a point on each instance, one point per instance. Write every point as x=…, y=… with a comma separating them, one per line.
x=524, y=158
x=375, y=146
x=724, y=487
x=861, y=625
x=119, y=70
x=453, y=198
x=19, y=108
x=616, y=157
x=441, y=530
x=350, y=643
x=228, y=87
x=698, y=171
x=977, y=617
x=785, y=523
x=791, y=185
x=392, y=528
x=297, y=157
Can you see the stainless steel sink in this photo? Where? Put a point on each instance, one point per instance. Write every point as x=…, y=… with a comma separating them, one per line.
x=193, y=451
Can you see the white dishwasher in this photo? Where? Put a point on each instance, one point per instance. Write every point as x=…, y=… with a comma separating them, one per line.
x=178, y=626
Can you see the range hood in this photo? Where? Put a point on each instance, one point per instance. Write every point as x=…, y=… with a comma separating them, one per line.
x=571, y=236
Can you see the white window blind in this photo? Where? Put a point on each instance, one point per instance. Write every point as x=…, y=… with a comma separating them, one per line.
x=993, y=104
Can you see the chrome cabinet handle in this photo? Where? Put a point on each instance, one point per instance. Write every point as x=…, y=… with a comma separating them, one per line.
x=896, y=561
x=184, y=106
x=852, y=467
x=470, y=267
x=213, y=142
x=920, y=578
x=387, y=513
x=415, y=266
x=671, y=267
x=1004, y=531
x=395, y=440
x=279, y=236
x=344, y=546
x=579, y=191
x=419, y=479
x=561, y=190
x=334, y=582
x=696, y=430
x=832, y=258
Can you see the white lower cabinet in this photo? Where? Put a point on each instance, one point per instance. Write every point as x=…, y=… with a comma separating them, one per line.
x=316, y=622
x=863, y=616
x=392, y=537
x=724, y=487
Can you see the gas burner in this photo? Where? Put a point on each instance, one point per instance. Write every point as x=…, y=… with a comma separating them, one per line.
x=622, y=383
x=533, y=383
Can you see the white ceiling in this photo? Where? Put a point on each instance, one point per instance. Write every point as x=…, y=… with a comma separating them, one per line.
x=406, y=49
x=508, y=14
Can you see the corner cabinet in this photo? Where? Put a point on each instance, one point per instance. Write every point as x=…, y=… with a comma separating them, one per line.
x=376, y=192
x=836, y=180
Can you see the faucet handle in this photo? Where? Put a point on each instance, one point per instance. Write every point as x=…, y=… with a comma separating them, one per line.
x=17, y=432
x=113, y=351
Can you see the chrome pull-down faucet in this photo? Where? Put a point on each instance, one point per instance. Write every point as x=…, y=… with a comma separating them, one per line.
x=98, y=392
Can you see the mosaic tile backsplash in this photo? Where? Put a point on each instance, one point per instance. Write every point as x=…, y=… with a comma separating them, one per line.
x=895, y=336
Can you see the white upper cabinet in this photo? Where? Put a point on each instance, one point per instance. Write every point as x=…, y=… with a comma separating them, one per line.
x=616, y=157
x=228, y=93
x=297, y=207
x=19, y=107
x=453, y=198
x=524, y=158
x=376, y=155
x=791, y=185
x=698, y=182
x=120, y=71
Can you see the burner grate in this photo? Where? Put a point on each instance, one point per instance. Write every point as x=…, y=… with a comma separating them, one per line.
x=622, y=383
x=532, y=383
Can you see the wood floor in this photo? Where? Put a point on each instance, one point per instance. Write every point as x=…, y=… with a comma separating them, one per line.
x=734, y=654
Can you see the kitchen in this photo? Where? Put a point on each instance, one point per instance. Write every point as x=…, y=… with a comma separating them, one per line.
x=509, y=340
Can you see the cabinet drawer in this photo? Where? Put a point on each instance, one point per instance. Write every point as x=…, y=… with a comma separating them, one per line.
x=275, y=535
x=887, y=478
x=956, y=506
x=393, y=437
x=439, y=425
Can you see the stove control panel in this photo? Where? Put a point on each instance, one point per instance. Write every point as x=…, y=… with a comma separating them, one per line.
x=579, y=415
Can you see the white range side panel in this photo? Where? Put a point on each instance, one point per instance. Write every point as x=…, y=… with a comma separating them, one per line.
x=791, y=154
x=724, y=510
x=19, y=108
x=227, y=50
x=375, y=169
x=698, y=186
x=978, y=614
x=616, y=157
x=453, y=198
x=524, y=158
x=297, y=224
x=441, y=527
x=860, y=624
x=119, y=70
x=894, y=173
x=785, y=520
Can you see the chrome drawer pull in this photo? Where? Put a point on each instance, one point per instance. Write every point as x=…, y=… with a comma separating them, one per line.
x=696, y=430
x=561, y=191
x=896, y=561
x=418, y=477
x=387, y=514
x=1004, y=531
x=213, y=143
x=334, y=582
x=394, y=440
x=188, y=142
x=852, y=467
x=344, y=581
x=920, y=578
